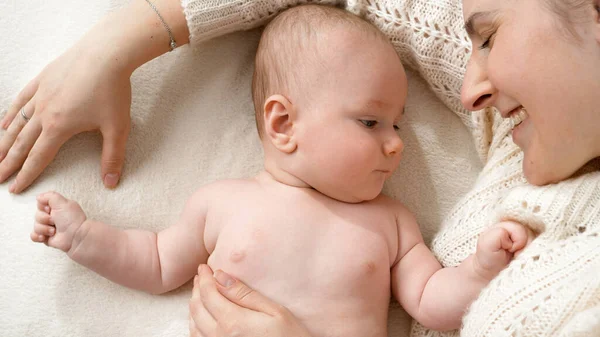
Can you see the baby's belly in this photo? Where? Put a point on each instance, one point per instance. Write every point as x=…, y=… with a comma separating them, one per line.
x=350, y=310
x=335, y=287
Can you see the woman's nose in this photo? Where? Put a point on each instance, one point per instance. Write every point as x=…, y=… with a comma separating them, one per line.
x=393, y=146
x=477, y=91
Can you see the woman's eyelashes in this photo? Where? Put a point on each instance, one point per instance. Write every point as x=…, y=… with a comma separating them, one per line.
x=487, y=42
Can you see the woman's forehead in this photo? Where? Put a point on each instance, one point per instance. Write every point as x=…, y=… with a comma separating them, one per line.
x=476, y=12
x=474, y=6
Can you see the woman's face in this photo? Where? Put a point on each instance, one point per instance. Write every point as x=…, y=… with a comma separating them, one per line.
x=542, y=72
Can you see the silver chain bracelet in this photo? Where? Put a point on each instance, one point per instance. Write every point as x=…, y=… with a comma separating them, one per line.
x=172, y=43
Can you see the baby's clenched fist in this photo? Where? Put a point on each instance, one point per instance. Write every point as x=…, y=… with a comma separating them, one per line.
x=56, y=221
x=498, y=245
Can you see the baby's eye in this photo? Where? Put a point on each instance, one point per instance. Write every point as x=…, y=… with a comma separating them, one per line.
x=396, y=127
x=369, y=123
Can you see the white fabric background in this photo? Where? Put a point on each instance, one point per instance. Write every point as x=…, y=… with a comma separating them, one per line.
x=192, y=123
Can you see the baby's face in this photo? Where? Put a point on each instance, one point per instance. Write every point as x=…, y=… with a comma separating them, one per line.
x=348, y=132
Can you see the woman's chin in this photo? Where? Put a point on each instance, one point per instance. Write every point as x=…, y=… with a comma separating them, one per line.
x=540, y=173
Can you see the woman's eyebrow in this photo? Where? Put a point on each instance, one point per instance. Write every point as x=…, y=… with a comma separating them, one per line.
x=475, y=18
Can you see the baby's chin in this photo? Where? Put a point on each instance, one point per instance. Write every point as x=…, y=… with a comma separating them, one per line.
x=356, y=197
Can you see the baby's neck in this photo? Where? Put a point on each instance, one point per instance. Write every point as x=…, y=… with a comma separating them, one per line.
x=277, y=175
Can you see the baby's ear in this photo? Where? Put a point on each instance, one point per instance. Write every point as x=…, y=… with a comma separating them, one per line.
x=279, y=116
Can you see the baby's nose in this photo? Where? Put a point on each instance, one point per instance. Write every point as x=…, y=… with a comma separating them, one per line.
x=393, y=146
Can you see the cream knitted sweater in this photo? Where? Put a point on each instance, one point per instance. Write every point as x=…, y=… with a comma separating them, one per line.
x=553, y=288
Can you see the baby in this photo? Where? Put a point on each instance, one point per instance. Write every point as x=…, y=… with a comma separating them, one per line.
x=312, y=231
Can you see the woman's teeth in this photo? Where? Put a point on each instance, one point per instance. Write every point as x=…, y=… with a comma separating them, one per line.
x=518, y=117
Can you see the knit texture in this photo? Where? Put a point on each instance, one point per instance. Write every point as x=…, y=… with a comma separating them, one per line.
x=552, y=289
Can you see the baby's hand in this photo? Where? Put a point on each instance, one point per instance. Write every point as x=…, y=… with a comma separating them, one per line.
x=56, y=221
x=498, y=245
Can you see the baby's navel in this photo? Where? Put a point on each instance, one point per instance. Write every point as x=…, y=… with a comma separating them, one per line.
x=237, y=255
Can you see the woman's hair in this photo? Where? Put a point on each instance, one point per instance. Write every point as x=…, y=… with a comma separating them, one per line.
x=570, y=12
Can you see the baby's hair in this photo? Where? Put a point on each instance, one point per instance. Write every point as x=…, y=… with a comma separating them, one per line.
x=289, y=46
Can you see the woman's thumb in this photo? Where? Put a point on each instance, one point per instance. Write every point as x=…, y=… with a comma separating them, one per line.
x=113, y=157
x=244, y=296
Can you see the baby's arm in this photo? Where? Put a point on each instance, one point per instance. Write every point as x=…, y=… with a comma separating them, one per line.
x=438, y=297
x=144, y=260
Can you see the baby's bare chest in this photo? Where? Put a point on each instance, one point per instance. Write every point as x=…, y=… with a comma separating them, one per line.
x=313, y=253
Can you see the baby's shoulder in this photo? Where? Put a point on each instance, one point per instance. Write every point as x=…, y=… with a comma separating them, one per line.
x=229, y=187
x=404, y=217
x=225, y=189
x=392, y=205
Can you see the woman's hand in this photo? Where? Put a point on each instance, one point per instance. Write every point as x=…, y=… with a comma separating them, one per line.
x=87, y=89
x=223, y=306
x=77, y=92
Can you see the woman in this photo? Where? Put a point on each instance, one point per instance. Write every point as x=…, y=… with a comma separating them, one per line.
x=518, y=65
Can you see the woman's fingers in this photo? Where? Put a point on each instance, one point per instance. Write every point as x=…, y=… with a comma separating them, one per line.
x=202, y=324
x=244, y=296
x=215, y=304
x=15, y=127
x=201, y=321
x=40, y=156
x=16, y=144
x=113, y=154
x=222, y=294
x=194, y=332
x=22, y=98
x=244, y=312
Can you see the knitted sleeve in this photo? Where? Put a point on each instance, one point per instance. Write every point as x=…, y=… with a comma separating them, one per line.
x=207, y=19
x=427, y=34
x=552, y=288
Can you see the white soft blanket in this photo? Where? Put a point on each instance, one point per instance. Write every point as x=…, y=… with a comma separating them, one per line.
x=192, y=124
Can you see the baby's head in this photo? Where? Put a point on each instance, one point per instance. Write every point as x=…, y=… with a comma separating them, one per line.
x=328, y=91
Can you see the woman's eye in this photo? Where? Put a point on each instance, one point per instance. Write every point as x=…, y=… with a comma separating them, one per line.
x=487, y=42
x=368, y=123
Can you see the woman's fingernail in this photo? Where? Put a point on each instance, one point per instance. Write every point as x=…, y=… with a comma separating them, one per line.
x=111, y=180
x=224, y=279
x=13, y=187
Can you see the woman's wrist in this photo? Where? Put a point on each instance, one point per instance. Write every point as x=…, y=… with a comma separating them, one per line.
x=134, y=34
